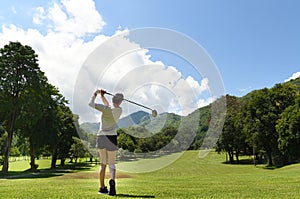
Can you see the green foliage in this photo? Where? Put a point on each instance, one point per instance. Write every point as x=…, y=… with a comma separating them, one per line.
x=79, y=149
x=232, y=139
x=19, y=76
x=3, y=138
x=263, y=110
x=143, y=141
x=295, y=82
x=250, y=127
x=288, y=128
x=14, y=151
x=32, y=110
x=260, y=122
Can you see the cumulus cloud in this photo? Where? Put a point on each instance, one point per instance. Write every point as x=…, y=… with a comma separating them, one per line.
x=150, y=83
x=294, y=76
x=39, y=16
x=63, y=50
x=78, y=17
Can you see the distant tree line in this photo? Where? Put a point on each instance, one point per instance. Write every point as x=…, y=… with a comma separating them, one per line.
x=175, y=135
x=265, y=123
x=145, y=141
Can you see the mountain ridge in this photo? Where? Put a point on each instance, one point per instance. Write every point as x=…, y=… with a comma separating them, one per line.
x=142, y=118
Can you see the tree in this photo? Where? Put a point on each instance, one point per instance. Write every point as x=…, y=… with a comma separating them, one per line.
x=33, y=111
x=66, y=135
x=57, y=125
x=125, y=142
x=288, y=128
x=19, y=72
x=263, y=110
x=79, y=149
x=232, y=139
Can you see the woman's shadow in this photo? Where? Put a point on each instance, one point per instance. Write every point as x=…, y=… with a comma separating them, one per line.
x=135, y=196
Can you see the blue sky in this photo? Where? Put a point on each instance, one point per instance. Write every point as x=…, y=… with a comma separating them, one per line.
x=254, y=44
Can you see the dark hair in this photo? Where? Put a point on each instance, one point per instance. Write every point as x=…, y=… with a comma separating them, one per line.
x=118, y=98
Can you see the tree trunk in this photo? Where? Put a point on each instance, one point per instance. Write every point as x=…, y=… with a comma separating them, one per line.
x=62, y=162
x=33, y=167
x=8, y=142
x=54, y=158
x=237, y=153
x=270, y=161
x=230, y=154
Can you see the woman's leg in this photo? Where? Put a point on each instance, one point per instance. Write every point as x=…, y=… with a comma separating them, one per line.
x=103, y=162
x=111, y=157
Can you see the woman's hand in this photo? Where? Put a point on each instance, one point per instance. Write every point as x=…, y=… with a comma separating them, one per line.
x=96, y=92
x=102, y=92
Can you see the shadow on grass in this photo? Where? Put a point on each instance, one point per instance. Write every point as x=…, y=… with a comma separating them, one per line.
x=258, y=164
x=134, y=196
x=46, y=173
x=29, y=175
x=241, y=162
x=274, y=167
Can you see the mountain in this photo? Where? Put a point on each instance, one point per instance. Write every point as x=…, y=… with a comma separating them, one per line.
x=137, y=118
x=134, y=119
x=90, y=127
x=155, y=124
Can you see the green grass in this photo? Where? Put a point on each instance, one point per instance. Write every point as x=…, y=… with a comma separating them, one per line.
x=188, y=177
x=24, y=165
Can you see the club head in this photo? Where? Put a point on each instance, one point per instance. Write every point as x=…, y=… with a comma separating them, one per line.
x=154, y=113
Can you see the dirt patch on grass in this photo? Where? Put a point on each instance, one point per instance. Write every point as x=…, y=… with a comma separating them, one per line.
x=91, y=175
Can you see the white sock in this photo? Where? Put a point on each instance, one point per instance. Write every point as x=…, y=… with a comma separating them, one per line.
x=112, y=170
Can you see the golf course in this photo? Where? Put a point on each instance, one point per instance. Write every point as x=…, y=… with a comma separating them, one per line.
x=187, y=177
x=149, y=99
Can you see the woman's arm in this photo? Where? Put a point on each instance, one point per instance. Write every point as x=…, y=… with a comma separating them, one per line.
x=92, y=101
x=104, y=100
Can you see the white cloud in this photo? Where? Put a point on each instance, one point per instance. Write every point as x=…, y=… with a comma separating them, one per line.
x=205, y=102
x=294, y=76
x=198, y=88
x=62, y=51
x=39, y=16
x=149, y=83
x=77, y=17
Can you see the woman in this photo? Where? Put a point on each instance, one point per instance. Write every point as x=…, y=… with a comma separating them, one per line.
x=107, y=137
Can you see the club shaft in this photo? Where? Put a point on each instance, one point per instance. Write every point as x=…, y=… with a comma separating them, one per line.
x=132, y=102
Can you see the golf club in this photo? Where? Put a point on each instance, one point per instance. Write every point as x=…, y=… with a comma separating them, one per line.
x=154, y=112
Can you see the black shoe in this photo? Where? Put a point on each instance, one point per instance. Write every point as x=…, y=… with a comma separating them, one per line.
x=103, y=190
x=112, y=187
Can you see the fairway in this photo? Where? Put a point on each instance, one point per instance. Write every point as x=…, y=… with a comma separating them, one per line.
x=187, y=177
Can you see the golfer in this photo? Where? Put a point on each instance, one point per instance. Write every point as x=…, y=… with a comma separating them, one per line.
x=107, y=138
